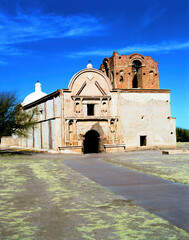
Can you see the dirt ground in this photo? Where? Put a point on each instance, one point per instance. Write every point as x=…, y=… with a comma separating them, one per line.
x=42, y=199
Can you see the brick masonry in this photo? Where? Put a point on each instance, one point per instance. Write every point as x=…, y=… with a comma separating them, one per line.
x=123, y=70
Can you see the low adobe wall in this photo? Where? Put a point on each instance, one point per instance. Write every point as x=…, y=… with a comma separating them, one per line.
x=9, y=141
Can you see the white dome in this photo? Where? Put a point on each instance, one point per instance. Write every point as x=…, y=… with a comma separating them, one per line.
x=35, y=95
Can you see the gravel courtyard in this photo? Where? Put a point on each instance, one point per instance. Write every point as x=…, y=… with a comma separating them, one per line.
x=173, y=167
x=42, y=199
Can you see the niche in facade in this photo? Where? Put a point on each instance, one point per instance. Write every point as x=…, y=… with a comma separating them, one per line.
x=77, y=107
x=112, y=127
x=70, y=126
x=104, y=107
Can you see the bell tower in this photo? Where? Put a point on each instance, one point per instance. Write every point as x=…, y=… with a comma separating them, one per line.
x=132, y=71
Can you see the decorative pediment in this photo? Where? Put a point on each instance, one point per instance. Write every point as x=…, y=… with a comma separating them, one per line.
x=90, y=82
x=91, y=88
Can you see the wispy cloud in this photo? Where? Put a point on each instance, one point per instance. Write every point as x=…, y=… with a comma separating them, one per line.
x=30, y=27
x=163, y=48
x=151, y=15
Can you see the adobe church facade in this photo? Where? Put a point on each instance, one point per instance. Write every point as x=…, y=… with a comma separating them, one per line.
x=116, y=108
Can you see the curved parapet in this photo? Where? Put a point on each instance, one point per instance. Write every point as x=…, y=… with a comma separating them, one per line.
x=90, y=81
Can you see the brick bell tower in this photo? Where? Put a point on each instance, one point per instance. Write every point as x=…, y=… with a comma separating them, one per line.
x=131, y=71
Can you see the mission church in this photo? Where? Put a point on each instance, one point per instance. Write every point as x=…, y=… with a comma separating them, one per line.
x=116, y=108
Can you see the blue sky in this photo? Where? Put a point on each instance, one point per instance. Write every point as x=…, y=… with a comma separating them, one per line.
x=51, y=40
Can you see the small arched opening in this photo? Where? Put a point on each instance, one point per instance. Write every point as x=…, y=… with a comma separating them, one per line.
x=91, y=142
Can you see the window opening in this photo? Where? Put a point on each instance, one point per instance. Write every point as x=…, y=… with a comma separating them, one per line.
x=143, y=141
x=90, y=109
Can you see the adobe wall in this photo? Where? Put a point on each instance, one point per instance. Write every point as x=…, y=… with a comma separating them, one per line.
x=9, y=141
x=47, y=134
x=146, y=114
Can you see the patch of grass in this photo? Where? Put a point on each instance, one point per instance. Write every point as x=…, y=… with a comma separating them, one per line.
x=171, y=167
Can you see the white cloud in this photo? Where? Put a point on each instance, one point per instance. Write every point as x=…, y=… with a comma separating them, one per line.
x=30, y=27
x=162, y=47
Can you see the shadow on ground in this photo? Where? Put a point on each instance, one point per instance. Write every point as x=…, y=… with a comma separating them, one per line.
x=14, y=152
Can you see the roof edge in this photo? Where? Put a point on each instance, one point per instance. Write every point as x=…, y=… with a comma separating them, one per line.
x=142, y=90
x=48, y=96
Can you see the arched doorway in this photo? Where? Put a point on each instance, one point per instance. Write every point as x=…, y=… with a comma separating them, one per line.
x=91, y=142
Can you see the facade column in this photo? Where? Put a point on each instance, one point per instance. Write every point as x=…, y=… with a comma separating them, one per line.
x=81, y=107
x=116, y=131
x=67, y=132
x=75, y=140
x=101, y=106
x=109, y=132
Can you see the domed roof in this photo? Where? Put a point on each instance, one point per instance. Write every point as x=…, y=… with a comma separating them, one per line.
x=35, y=95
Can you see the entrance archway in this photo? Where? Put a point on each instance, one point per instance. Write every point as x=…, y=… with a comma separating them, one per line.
x=91, y=142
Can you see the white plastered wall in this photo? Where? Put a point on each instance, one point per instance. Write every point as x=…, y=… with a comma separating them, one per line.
x=146, y=114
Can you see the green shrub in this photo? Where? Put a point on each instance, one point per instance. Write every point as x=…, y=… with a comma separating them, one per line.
x=182, y=134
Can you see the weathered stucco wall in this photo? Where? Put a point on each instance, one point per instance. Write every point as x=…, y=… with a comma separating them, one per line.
x=9, y=141
x=47, y=134
x=146, y=114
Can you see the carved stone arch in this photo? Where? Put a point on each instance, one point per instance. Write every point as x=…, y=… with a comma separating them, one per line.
x=70, y=124
x=99, y=131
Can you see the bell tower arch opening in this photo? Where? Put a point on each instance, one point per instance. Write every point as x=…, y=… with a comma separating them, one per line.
x=137, y=72
x=91, y=142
